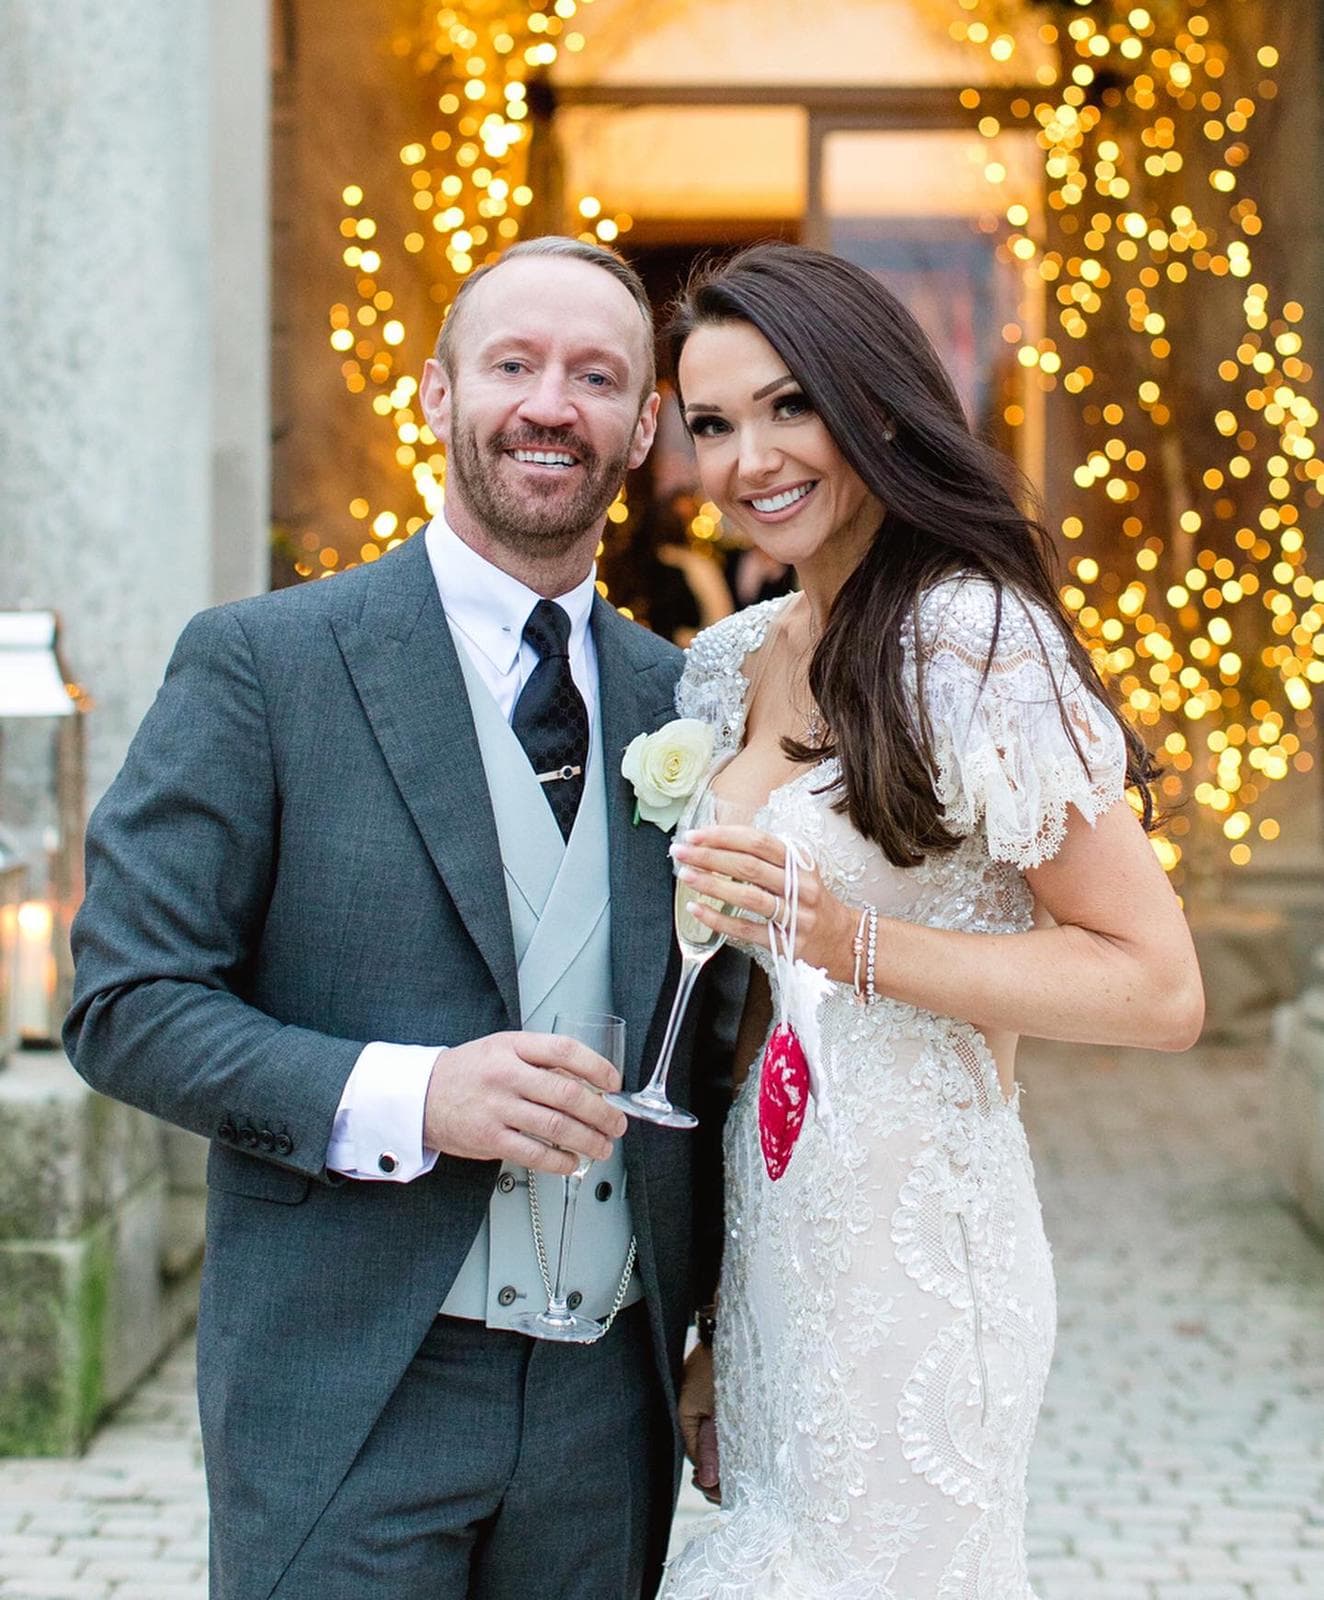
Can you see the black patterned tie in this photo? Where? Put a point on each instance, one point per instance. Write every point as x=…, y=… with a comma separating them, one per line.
x=550, y=719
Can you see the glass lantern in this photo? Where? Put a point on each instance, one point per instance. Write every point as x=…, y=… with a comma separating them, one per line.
x=42, y=788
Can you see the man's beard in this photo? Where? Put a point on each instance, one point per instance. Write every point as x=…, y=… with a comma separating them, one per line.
x=521, y=519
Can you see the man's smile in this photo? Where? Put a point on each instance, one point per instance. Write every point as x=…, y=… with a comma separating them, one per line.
x=555, y=460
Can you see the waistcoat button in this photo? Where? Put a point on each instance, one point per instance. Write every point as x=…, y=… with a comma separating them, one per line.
x=506, y=1297
x=603, y=1191
x=506, y=1182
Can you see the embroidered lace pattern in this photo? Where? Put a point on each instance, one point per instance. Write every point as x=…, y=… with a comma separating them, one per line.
x=887, y=1307
x=1009, y=756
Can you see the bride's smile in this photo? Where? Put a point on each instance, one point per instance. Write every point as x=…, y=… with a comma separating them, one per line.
x=767, y=459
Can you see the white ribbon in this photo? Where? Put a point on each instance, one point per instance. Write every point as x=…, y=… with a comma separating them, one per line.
x=801, y=989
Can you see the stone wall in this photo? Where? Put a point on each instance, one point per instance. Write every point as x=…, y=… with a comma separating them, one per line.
x=134, y=446
x=129, y=256
x=99, y=1233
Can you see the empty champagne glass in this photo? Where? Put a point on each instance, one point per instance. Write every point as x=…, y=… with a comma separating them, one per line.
x=698, y=944
x=605, y=1034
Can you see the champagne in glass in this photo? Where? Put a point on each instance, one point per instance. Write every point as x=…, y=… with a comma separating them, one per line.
x=606, y=1035
x=696, y=939
x=698, y=944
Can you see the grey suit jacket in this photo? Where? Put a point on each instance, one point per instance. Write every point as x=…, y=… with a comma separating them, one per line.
x=298, y=857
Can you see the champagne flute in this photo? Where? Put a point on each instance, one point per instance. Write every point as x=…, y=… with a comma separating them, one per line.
x=698, y=944
x=605, y=1034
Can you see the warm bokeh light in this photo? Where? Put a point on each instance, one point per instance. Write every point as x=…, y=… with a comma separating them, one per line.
x=1195, y=598
x=1186, y=532
x=468, y=186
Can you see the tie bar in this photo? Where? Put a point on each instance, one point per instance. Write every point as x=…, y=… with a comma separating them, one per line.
x=559, y=774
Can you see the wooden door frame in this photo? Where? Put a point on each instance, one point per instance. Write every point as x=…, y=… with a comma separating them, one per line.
x=829, y=108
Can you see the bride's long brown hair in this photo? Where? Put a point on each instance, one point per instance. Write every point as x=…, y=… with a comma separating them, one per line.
x=953, y=504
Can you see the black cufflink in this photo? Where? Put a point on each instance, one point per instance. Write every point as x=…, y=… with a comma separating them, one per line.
x=386, y=1162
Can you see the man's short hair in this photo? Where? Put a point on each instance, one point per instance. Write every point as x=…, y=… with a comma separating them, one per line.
x=595, y=255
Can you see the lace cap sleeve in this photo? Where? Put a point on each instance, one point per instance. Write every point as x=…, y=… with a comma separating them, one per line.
x=1004, y=756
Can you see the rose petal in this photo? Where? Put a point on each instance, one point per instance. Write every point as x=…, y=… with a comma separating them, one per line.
x=666, y=815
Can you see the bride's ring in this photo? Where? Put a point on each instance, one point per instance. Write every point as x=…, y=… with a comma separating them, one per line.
x=775, y=915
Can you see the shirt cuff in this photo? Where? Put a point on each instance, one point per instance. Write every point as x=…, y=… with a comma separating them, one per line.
x=378, y=1131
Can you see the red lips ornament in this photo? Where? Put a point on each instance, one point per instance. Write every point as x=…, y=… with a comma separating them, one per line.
x=783, y=1095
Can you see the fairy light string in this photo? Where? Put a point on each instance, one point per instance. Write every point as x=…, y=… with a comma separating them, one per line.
x=1188, y=519
x=468, y=193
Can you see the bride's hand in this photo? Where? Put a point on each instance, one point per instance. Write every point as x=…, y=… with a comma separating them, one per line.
x=746, y=867
x=697, y=1425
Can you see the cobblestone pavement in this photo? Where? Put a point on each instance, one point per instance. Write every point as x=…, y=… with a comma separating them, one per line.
x=1180, y=1455
x=129, y=1519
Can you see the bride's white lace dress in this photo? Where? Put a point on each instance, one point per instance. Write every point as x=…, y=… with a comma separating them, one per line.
x=887, y=1307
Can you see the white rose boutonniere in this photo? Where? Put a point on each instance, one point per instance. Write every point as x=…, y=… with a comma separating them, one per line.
x=666, y=767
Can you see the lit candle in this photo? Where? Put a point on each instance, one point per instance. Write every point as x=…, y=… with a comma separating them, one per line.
x=34, y=974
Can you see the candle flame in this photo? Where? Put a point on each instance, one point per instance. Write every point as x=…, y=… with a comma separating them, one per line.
x=36, y=919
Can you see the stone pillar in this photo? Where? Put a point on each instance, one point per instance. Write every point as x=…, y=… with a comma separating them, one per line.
x=1297, y=1059
x=1257, y=927
x=105, y=446
x=1297, y=1079
x=134, y=434
x=240, y=302
x=134, y=443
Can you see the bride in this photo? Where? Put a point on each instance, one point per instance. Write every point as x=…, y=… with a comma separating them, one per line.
x=920, y=721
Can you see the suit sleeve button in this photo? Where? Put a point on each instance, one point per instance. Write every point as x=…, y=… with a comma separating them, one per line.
x=387, y=1161
x=227, y=1133
x=284, y=1144
x=248, y=1136
x=506, y=1182
x=267, y=1139
x=603, y=1191
x=506, y=1297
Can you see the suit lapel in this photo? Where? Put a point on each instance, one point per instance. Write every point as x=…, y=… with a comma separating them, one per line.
x=636, y=696
x=402, y=660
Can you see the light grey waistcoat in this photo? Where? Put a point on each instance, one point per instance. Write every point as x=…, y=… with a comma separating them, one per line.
x=561, y=917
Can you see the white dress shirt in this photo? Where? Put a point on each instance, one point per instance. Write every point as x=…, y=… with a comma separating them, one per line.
x=378, y=1130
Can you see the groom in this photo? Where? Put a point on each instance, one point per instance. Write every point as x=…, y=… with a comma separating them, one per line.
x=370, y=840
